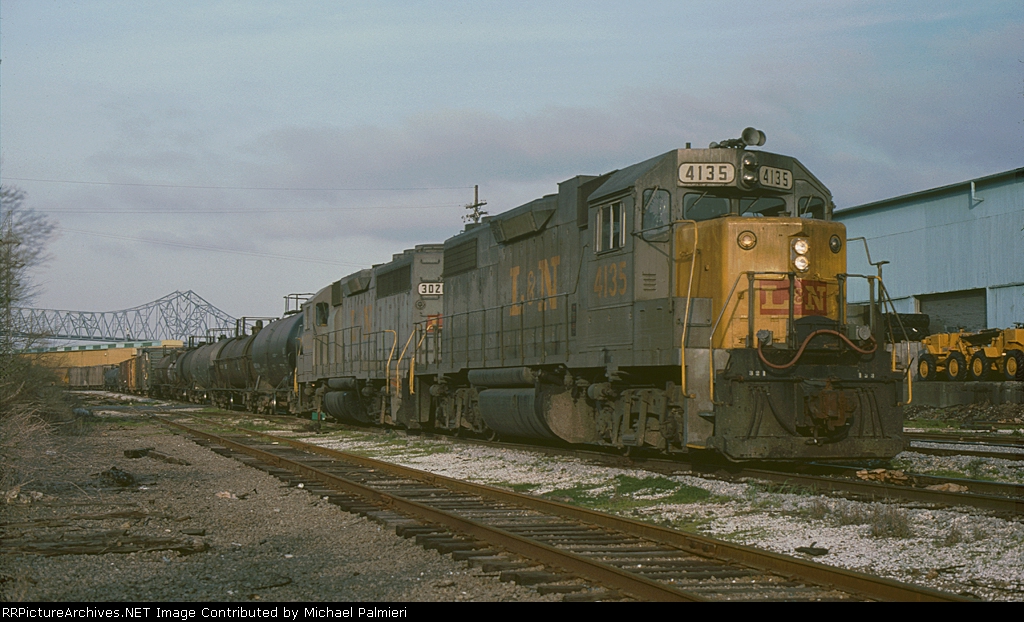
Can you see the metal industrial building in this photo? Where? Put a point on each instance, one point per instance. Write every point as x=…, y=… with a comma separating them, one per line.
x=955, y=253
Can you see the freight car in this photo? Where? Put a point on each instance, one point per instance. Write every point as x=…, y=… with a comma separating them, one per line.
x=91, y=377
x=137, y=375
x=693, y=301
x=254, y=370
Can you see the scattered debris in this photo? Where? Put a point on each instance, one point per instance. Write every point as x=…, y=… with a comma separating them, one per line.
x=15, y=495
x=68, y=520
x=101, y=543
x=116, y=477
x=813, y=550
x=947, y=487
x=225, y=495
x=274, y=581
x=969, y=415
x=151, y=452
x=137, y=453
x=887, y=476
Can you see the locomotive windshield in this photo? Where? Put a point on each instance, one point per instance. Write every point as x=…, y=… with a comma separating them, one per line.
x=703, y=206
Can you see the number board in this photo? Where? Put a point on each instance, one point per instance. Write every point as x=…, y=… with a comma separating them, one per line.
x=431, y=289
x=776, y=177
x=706, y=173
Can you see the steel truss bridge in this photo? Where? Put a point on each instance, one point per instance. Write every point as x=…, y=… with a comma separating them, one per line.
x=178, y=315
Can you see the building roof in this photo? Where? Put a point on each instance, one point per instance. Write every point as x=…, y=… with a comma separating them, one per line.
x=1016, y=173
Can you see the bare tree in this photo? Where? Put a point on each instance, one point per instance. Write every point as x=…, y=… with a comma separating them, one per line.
x=28, y=400
x=23, y=236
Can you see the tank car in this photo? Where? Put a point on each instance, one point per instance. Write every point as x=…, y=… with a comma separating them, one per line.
x=254, y=370
x=693, y=301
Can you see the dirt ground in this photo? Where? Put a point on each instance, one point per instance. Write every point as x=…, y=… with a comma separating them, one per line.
x=186, y=524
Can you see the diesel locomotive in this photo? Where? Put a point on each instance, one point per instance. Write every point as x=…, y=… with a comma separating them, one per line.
x=695, y=301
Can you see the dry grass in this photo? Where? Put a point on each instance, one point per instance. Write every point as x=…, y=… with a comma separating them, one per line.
x=885, y=521
x=889, y=521
x=31, y=410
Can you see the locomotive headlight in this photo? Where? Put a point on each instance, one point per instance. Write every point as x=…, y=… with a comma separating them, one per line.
x=801, y=247
x=801, y=263
x=746, y=240
x=835, y=244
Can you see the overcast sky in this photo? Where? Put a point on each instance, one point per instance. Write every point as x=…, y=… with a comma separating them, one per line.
x=247, y=150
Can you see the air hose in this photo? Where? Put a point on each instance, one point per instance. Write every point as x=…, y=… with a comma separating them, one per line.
x=807, y=340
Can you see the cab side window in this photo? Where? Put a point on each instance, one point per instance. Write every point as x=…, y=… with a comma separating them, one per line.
x=656, y=214
x=611, y=227
x=811, y=207
x=321, y=313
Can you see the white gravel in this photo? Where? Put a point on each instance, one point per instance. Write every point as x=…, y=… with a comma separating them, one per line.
x=958, y=550
x=968, y=467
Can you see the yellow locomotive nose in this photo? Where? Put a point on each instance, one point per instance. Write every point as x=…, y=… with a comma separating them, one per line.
x=749, y=279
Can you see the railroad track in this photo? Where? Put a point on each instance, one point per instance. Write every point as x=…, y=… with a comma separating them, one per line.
x=578, y=548
x=1000, y=497
x=996, y=440
x=1004, y=447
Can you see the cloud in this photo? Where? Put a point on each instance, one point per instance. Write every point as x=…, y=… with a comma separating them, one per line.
x=379, y=122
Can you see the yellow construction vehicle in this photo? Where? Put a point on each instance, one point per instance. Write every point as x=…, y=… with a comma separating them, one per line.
x=945, y=353
x=1002, y=357
x=991, y=353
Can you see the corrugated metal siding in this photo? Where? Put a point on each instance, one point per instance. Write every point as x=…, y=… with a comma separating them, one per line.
x=943, y=241
x=1006, y=305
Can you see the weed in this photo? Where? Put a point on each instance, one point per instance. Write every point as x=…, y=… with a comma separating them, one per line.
x=521, y=487
x=786, y=488
x=580, y=494
x=850, y=514
x=818, y=509
x=955, y=535
x=257, y=426
x=890, y=522
x=744, y=535
x=686, y=494
x=691, y=524
x=752, y=492
x=625, y=484
x=627, y=493
x=946, y=473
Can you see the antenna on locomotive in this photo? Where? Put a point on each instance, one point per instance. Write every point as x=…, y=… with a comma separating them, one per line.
x=475, y=213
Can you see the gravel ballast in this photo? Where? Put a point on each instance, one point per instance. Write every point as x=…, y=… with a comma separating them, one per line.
x=959, y=550
x=243, y=535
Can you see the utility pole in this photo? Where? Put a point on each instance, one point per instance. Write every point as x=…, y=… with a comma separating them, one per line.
x=475, y=213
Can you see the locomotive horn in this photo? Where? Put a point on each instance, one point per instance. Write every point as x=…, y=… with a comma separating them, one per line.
x=752, y=137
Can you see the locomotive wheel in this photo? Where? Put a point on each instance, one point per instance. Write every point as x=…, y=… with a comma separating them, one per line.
x=978, y=368
x=956, y=367
x=926, y=367
x=1013, y=366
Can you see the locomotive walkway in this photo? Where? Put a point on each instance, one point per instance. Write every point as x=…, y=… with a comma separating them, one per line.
x=579, y=549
